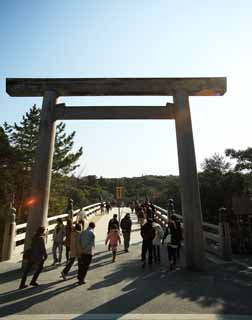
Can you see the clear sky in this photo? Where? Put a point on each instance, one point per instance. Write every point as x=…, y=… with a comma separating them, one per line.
x=143, y=38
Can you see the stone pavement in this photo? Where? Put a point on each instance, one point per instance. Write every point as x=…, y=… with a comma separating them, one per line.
x=123, y=290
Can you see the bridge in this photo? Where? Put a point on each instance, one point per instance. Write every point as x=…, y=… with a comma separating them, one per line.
x=123, y=290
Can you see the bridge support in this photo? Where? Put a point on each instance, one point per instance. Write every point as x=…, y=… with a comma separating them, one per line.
x=41, y=178
x=191, y=205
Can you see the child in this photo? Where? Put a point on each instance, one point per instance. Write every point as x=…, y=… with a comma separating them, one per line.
x=113, y=238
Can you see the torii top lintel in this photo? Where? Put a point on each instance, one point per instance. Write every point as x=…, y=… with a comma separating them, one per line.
x=34, y=87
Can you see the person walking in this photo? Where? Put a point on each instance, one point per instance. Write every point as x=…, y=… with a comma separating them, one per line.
x=36, y=256
x=126, y=225
x=75, y=249
x=87, y=244
x=171, y=233
x=69, y=229
x=157, y=241
x=148, y=234
x=111, y=224
x=114, y=239
x=82, y=218
x=58, y=240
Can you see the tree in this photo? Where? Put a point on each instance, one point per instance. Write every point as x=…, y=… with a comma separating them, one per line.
x=24, y=138
x=243, y=159
x=218, y=184
x=216, y=164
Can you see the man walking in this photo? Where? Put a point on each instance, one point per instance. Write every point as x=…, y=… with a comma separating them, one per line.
x=148, y=234
x=126, y=224
x=87, y=244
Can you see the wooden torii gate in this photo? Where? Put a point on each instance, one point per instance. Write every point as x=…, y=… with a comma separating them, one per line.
x=179, y=88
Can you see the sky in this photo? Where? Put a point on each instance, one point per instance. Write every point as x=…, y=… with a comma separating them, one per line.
x=144, y=38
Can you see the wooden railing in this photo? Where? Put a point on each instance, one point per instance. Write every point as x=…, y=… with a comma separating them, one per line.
x=217, y=241
x=20, y=229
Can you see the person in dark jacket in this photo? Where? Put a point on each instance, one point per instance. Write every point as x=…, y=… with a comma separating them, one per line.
x=36, y=255
x=148, y=234
x=113, y=222
x=126, y=224
x=172, y=245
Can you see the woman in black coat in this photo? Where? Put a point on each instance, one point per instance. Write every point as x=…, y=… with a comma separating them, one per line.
x=36, y=255
x=173, y=244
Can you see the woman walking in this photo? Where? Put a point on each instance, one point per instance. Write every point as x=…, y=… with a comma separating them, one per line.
x=171, y=237
x=75, y=250
x=36, y=256
x=157, y=241
x=114, y=239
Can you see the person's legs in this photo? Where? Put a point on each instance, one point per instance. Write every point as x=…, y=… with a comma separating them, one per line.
x=126, y=237
x=150, y=247
x=37, y=272
x=86, y=260
x=54, y=251
x=158, y=253
x=169, y=250
x=67, y=253
x=155, y=253
x=80, y=268
x=113, y=254
x=25, y=273
x=60, y=246
x=68, y=266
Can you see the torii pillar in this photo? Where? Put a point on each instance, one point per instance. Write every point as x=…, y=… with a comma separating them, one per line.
x=190, y=195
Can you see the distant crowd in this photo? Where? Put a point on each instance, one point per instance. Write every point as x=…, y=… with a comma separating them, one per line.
x=79, y=241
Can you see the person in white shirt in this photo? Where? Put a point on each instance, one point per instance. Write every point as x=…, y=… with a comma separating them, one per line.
x=159, y=233
x=82, y=218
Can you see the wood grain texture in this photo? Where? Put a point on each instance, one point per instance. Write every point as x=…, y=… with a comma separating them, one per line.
x=113, y=113
x=32, y=87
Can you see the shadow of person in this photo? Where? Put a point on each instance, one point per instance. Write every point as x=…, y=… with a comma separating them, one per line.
x=20, y=306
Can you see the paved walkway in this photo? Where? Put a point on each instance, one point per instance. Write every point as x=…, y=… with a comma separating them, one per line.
x=123, y=290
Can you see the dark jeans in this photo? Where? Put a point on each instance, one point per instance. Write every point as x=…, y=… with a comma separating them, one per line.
x=28, y=267
x=68, y=265
x=126, y=238
x=172, y=254
x=83, y=265
x=156, y=253
x=67, y=253
x=147, y=246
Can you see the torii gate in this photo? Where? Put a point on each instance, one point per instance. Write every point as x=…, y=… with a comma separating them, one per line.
x=179, y=88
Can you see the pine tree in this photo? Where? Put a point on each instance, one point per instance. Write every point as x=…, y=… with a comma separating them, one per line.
x=24, y=138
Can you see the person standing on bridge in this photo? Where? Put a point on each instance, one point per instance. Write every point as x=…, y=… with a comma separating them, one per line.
x=36, y=255
x=126, y=225
x=172, y=233
x=157, y=241
x=87, y=244
x=148, y=234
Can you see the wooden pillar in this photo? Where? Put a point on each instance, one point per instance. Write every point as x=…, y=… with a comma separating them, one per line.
x=191, y=205
x=41, y=178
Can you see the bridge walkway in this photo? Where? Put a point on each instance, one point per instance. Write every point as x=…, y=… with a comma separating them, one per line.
x=123, y=290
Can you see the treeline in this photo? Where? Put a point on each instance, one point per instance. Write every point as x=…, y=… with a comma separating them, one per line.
x=219, y=180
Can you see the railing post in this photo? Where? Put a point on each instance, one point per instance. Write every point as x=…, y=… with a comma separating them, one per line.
x=9, y=235
x=224, y=231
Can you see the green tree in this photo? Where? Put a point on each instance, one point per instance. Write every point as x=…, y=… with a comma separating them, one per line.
x=24, y=138
x=243, y=159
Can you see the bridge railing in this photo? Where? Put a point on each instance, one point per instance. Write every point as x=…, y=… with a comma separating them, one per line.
x=18, y=234
x=217, y=237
